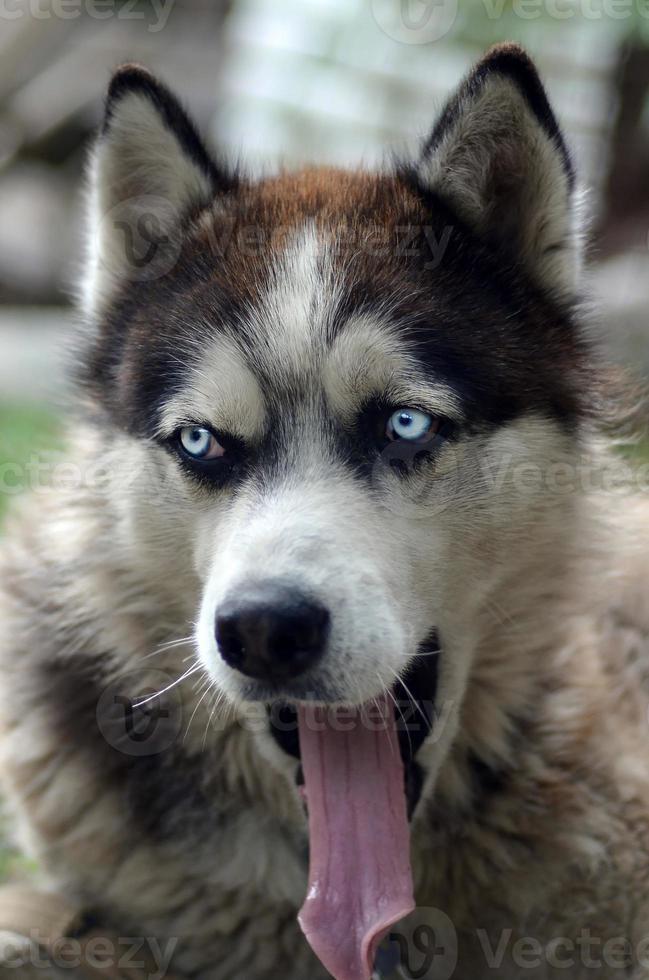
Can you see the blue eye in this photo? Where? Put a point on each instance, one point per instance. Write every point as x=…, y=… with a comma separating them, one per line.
x=200, y=443
x=412, y=425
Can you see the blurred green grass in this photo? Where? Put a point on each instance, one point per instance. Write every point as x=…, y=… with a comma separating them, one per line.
x=25, y=430
x=637, y=452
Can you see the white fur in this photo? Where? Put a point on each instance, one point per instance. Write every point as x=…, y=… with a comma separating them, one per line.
x=223, y=392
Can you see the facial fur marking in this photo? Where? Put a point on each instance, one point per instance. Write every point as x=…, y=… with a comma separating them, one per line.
x=221, y=389
x=288, y=326
x=368, y=359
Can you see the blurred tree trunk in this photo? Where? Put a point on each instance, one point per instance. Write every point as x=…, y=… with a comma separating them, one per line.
x=625, y=219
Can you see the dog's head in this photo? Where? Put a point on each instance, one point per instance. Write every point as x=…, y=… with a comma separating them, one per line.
x=329, y=383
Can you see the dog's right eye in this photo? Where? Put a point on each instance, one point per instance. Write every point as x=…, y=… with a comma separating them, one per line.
x=205, y=455
x=411, y=425
x=200, y=443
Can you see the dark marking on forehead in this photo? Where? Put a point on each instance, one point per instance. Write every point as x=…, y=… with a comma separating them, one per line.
x=350, y=213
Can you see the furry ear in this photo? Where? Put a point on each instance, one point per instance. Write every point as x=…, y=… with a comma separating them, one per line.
x=497, y=155
x=148, y=172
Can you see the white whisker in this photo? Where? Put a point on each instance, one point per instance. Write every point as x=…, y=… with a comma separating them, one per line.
x=429, y=653
x=170, y=645
x=412, y=698
x=398, y=707
x=198, y=704
x=219, y=697
x=188, y=673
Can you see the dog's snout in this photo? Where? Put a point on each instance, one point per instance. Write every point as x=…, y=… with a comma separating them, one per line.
x=272, y=632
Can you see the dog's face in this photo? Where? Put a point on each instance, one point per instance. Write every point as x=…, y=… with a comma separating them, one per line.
x=327, y=382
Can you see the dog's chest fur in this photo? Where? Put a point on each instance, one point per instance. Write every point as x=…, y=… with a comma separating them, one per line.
x=211, y=846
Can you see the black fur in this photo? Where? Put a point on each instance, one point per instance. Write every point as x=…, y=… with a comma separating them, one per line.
x=478, y=323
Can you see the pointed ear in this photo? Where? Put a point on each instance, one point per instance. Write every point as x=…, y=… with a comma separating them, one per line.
x=497, y=155
x=149, y=171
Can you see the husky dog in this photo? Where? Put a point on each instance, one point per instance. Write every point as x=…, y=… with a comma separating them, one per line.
x=338, y=447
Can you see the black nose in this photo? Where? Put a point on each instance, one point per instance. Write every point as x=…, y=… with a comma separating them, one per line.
x=271, y=632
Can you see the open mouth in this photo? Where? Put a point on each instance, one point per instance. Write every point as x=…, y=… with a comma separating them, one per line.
x=413, y=697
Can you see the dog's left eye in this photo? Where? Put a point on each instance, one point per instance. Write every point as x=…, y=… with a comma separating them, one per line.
x=411, y=424
x=200, y=443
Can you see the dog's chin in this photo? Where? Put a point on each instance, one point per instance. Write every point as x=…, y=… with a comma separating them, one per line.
x=303, y=690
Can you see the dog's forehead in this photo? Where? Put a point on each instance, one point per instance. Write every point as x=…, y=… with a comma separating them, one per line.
x=298, y=340
x=298, y=246
x=290, y=264
x=290, y=325
x=313, y=285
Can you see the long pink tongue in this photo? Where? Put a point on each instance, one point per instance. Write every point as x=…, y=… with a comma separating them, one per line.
x=360, y=881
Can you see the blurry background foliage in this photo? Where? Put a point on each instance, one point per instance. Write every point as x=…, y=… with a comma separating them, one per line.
x=284, y=81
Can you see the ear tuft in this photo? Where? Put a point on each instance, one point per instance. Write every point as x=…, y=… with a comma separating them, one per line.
x=130, y=77
x=497, y=155
x=135, y=81
x=150, y=172
x=511, y=61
